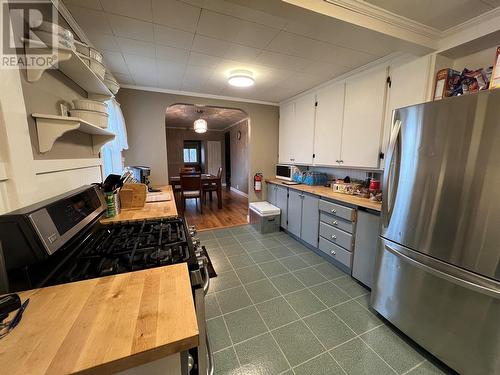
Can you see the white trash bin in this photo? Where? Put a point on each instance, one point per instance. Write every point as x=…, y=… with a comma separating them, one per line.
x=265, y=217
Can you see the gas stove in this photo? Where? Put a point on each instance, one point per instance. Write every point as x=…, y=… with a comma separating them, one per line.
x=61, y=240
x=128, y=247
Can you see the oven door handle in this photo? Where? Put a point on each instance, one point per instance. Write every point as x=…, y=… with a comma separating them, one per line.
x=203, y=264
x=210, y=356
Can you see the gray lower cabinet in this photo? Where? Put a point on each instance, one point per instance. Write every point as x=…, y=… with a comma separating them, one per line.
x=303, y=216
x=310, y=219
x=271, y=193
x=294, y=212
x=282, y=204
x=365, y=246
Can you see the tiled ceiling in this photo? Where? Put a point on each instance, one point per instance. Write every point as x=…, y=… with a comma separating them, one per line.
x=440, y=14
x=184, y=115
x=191, y=45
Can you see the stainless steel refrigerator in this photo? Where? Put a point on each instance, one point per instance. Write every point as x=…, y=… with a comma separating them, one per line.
x=438, y=261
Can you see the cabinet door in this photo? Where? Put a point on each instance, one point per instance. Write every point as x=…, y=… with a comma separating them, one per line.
x=282, y=203
x=310, y=219
x=302, y=133
x=294, y=212
x=363, y=118
x=271, y=193
x=365, y=247
x=328, y=127
x=286, y=126
x=409, y=85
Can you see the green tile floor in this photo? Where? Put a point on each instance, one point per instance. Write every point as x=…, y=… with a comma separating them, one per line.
x=278, y=308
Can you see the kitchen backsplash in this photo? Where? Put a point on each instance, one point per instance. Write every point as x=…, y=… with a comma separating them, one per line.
x=354, y=174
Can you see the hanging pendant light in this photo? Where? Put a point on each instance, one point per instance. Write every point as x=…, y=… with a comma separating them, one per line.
x=200, y=125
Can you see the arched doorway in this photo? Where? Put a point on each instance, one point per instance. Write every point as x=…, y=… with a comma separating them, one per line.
x=224, y=144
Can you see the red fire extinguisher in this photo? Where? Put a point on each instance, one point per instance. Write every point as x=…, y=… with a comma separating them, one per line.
x=257, y=182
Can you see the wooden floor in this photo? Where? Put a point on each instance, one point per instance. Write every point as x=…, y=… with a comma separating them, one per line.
x=234, y=211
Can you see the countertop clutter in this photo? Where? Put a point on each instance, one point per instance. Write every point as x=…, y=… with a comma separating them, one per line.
x=103, y=325
x=329, y=193
x=152, y=209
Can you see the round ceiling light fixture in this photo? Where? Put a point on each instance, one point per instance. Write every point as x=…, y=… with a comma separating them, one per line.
x=241, y=78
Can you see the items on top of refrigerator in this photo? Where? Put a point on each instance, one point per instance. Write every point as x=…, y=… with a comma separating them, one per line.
x=495, y=77
x=450, y=82
x=446, y=79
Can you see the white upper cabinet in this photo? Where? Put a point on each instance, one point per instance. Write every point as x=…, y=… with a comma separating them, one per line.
x=329, y=118
x=297, y=131
x=409, y=85
x=363, y=118
x=287, y=122
x=344, y=129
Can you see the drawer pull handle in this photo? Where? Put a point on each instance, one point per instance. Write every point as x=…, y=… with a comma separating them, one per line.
x=334, y=211
x=333, y=252
x=334, y=237
x=335, y=223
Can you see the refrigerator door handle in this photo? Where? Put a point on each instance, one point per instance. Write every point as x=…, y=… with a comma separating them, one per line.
x=389, y=192
x=445, y=271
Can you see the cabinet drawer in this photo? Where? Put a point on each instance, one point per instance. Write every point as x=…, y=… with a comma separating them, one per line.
x=336, y=236
x=336, y=222
x=346, y=213
x=336, y=252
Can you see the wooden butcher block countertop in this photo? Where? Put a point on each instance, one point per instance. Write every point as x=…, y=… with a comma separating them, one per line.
x=103, y=325
x=151, y=210
x=329, y=193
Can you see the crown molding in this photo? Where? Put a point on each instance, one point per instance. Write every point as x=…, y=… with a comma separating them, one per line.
x=388, y=17
x=365, y=15
x=197, y=94
x=66, y=14
x=469, y=30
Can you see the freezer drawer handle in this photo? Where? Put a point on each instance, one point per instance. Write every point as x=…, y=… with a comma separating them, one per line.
x=493, y=291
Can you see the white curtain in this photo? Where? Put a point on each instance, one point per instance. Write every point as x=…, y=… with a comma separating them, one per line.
x=112, y=151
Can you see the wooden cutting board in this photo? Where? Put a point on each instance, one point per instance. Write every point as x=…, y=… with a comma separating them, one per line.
x=160, y=196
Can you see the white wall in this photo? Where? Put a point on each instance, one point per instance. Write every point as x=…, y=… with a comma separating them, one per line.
x=24, y=180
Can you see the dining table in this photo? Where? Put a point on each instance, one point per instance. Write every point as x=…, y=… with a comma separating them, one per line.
x=175, y=181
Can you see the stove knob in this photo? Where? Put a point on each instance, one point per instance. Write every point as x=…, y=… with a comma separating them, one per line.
x=192, y=230
x=196, y=241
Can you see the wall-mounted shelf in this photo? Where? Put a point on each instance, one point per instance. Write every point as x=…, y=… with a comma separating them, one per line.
x=71, y=65
x=50, y=127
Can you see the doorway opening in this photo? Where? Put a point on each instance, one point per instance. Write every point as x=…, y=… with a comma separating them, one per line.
x=219, y=150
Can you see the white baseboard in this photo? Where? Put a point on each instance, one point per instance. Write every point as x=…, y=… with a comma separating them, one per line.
x=239, y=192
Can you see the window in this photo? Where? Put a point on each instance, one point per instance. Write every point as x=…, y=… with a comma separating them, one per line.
x=190, y=155
x=112, y=151
x=192, y=152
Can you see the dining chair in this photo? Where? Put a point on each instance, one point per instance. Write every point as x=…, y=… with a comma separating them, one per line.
x=210, y=187
x=191, y=189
